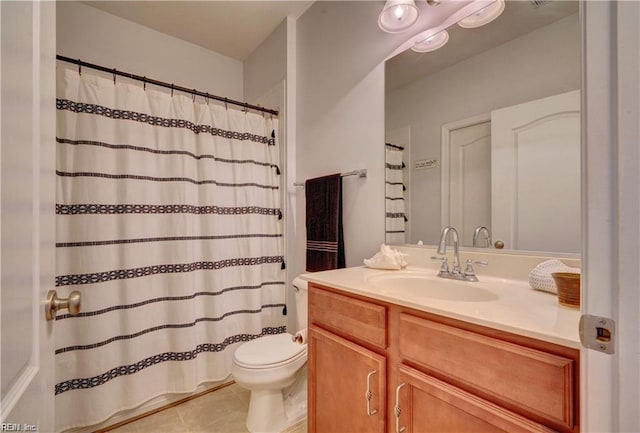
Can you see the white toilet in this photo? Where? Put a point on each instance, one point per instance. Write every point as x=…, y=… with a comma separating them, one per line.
x=269, y=365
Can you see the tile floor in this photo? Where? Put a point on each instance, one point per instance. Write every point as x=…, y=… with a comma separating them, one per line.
x=220, y=411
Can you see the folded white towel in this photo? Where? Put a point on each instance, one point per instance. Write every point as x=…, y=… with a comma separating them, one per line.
x=540, y=277
x=386, y=258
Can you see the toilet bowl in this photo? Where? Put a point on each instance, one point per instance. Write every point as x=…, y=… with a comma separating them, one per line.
x=268, y=365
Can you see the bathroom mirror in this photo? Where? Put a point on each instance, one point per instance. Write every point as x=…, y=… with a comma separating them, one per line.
x=486, y=132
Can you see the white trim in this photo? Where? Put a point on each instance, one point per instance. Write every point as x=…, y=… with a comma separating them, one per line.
x=291, y=202
x=19, y=388
x=628, y=236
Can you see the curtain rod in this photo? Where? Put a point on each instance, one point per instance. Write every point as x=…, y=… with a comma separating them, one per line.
x=359, y=173
x=171, y=86
x=395, y=146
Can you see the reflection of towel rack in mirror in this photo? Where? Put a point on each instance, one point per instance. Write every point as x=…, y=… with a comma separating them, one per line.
x=359, y=173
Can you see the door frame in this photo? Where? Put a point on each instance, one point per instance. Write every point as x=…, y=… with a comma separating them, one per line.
x=610, y=384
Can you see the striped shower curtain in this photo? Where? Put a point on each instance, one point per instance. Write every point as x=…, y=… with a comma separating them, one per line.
x=396, y=218
x=169, y=224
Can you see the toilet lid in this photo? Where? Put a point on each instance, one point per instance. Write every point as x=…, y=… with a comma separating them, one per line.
x=269, y=350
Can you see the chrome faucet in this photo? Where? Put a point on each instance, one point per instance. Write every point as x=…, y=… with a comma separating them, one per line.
x=455, y=273
x=442, y=250
x=487, y=236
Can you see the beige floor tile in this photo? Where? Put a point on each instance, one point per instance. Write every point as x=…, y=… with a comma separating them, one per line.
x=212, y=410
x=299, y=427
x=221, y=411
x=166, y=421
x=243, y=394
x=231, y=423
x=127, y=428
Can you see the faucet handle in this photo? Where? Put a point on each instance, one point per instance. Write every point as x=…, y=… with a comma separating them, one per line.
x=469, y=273
x=444, y=268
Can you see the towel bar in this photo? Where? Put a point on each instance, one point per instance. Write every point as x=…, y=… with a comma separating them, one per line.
x=359, y=173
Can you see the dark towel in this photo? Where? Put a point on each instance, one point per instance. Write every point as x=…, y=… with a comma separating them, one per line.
x=325, y=242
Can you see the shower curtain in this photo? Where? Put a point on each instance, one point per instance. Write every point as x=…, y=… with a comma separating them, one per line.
x=169, y=224
x=395, y=217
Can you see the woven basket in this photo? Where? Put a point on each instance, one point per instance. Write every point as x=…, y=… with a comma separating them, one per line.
x=568, y=285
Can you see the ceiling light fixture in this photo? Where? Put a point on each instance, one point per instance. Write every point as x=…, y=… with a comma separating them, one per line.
x=430, y=43
x=483, y=16
x=398, y=15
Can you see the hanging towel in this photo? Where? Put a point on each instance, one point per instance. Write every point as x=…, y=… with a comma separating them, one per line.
x=325, y=243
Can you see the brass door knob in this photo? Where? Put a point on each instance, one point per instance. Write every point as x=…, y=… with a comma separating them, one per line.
x=499, y=245
x=53, y=304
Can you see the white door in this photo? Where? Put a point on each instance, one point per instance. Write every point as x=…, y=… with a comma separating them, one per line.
x=535, y=165
x=27, y=198
x=470, y=181
x=466, y=176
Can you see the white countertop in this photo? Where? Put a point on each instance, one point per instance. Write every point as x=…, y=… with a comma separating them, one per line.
x=515, y=308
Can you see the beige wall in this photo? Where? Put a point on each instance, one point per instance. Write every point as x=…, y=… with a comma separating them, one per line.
x=266, y=67
x=98, y=37
x=340, y=108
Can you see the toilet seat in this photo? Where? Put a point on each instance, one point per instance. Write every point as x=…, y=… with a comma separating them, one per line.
x=269, y=352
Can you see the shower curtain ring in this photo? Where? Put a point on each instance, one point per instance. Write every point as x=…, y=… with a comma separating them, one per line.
x=206, y=98
x=172, y=90
x=246, y=108
x=114, y=76
x=193, y=96
x=144, y=83
x=226, y=106
x=79, y=67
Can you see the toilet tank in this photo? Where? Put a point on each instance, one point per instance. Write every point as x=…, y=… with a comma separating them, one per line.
x=301, y=294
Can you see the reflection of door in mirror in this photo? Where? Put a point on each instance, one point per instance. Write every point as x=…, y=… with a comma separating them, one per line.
x=516, y=172
x=397, y=184
x=536, y=174
x=466, y=180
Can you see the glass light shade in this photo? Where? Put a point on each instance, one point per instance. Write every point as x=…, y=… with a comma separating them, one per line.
x=398, y=15
x=483, y=16
x=431, y=43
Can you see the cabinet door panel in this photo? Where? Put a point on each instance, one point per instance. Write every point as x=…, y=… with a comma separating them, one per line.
x=529, y=381
x=340, y=371
x=429, y=405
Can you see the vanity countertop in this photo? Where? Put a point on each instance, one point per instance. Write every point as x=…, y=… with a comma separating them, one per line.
x=516, y=307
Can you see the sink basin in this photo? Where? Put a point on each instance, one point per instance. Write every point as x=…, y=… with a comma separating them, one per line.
x=418, y=285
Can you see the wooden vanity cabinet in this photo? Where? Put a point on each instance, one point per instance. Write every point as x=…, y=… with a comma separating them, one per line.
x=432, y=374
x=347, y=381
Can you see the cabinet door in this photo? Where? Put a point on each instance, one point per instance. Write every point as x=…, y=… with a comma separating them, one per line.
x=428, y=405
x=340, y=374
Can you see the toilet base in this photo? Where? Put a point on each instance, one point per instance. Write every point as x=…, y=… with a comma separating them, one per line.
x=273, y=411
x=266, y=412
